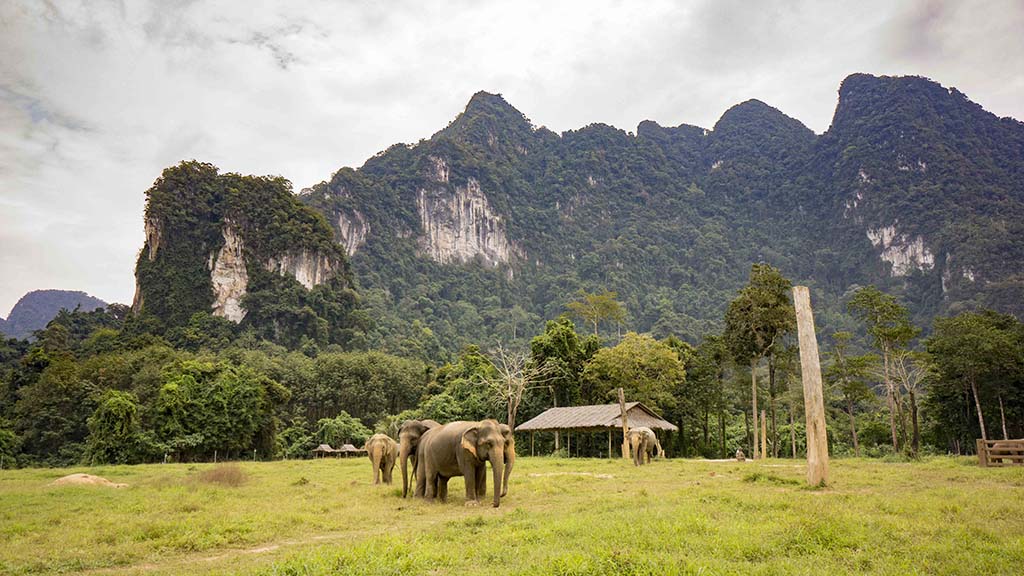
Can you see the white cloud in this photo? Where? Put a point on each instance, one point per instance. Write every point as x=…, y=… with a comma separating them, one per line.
x=96, y=98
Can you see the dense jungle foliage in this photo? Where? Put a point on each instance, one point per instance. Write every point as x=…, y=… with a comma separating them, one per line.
x=91, y=389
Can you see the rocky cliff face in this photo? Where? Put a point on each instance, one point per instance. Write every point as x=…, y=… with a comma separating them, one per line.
x=230, y=278
x=308, y=268
x=905, y=253
x=228, y=275
x=459, y=225
x=353, y=229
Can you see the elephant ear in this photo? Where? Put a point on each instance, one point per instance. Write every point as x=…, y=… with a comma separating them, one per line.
x=506, y=431
x=469, y=438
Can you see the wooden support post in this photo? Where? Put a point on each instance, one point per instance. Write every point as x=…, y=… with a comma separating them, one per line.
x=609, y=443
x=532, y=453
x=982, y=454
x=568, y=444
x=764, y=436
x=753, y=398
x=625, y=424
x=558, y=440
x=814, y=404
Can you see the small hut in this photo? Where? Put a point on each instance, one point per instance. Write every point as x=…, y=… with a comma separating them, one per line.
x=323, y=451
x=591, y=419
x=350, y=450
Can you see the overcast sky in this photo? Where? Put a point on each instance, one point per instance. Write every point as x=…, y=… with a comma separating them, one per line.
x=96, y=98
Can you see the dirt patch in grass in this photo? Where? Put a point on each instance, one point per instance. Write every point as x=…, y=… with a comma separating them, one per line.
x=86, y=480
x=225, y=475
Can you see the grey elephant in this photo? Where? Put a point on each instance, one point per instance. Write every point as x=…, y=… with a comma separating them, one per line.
x=461, y=449
x=643, y=442
x=409, y=435
x=383, y=451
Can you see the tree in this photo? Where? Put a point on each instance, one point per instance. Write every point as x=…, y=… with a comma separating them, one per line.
x=114, y=430
x=758, y=317
x=888, y=323
x=848, y=375
x=647, y=370
x=976, y=349
x=911, y=371
x=514, y=374
x=597, y=308
x=564, y=353
x=341, y=429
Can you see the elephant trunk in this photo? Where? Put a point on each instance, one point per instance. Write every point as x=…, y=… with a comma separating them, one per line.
x=498, y=467
x=403, y=454
x=510, y=461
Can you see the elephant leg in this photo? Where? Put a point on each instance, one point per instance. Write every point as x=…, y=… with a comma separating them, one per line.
x=481, y=482
x=442, y=488
x=429, y=483
x=376, y=467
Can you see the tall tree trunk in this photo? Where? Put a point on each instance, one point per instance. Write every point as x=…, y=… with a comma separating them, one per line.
x=771, y=405
x=746, y=424
x=915, y=444
x=853, y=430
x=707, y=431
x=1002, y=416
x=721, y=432
x=890, y=399
x=753, y=395
x=977, y=406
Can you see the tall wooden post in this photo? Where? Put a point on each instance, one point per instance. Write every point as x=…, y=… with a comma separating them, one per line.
x=625, y=424
x=814, y=404
x=764, y=436
x=609, y=443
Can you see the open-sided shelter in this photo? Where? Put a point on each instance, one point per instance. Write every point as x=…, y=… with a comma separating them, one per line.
x=590, y=419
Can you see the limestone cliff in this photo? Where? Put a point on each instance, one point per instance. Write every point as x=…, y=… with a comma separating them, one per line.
x=905, y=253
x=459, y=225
x=353, y=229
x=228, y=275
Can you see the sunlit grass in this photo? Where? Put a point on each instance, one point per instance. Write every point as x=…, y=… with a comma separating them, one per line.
x=942, y=516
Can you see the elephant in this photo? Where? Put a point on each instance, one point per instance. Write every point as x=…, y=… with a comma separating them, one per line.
x=408, y=440
x=461, y=449
x=642, y=444
x=383, y=451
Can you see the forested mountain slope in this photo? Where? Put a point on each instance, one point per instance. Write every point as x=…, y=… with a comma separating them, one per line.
x=35, y=309
x=491, y=225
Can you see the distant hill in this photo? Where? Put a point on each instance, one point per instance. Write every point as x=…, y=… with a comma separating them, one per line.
x=35, y=309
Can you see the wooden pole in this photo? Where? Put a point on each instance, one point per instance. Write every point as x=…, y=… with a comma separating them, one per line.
x=814, y=403
x=609, y=443
x=764, y=436
x=531, y=444
x=625, y=424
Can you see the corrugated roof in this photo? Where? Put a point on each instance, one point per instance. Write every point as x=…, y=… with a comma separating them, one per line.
x=600, y=416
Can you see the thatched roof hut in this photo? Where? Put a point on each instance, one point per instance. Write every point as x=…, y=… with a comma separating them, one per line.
x=599, y=418
x=595, y=419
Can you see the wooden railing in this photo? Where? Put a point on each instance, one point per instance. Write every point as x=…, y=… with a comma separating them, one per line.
x=1000, y=452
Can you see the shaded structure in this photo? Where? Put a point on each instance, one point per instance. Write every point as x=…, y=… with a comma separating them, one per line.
x=325, y=450
x=591, y=419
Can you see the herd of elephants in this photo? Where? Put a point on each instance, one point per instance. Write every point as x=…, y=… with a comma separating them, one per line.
x=437, y=452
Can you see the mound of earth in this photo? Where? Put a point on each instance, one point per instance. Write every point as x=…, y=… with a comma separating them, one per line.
x=85, y=480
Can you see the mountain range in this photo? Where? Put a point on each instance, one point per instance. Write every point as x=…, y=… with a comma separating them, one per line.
x=490, y=226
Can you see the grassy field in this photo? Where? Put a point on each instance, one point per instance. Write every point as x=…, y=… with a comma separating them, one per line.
x=578, y=516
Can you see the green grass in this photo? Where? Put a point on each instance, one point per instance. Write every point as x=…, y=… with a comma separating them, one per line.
x=562, y=516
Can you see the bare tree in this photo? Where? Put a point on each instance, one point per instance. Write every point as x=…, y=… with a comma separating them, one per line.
x=517, y=373
x=910, y=371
